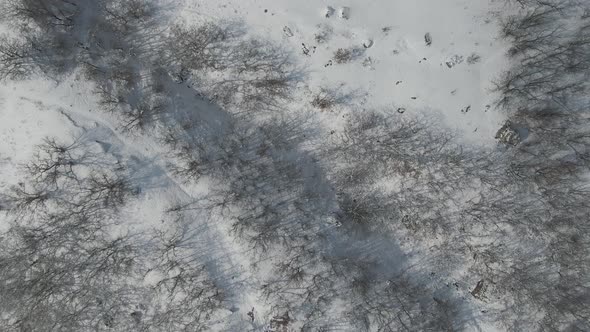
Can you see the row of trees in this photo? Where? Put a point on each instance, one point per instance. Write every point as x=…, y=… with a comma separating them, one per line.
x=546, y=92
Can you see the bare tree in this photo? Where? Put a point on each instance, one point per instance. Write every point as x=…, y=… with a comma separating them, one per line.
x=189, y=296
x=64, y=265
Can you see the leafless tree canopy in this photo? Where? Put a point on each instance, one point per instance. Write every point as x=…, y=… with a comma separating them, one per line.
x=387, y=225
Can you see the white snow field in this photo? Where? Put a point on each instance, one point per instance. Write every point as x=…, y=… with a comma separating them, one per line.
x=398, y=65
x=293, y=165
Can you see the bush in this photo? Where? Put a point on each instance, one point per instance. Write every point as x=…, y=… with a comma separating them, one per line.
x=345, y=55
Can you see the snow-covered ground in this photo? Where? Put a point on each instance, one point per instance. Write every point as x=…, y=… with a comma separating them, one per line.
x=394, y=69
x=434, y=60
x=398, y=69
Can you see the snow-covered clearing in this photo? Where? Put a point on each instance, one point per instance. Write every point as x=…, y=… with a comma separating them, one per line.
x=398, y=65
